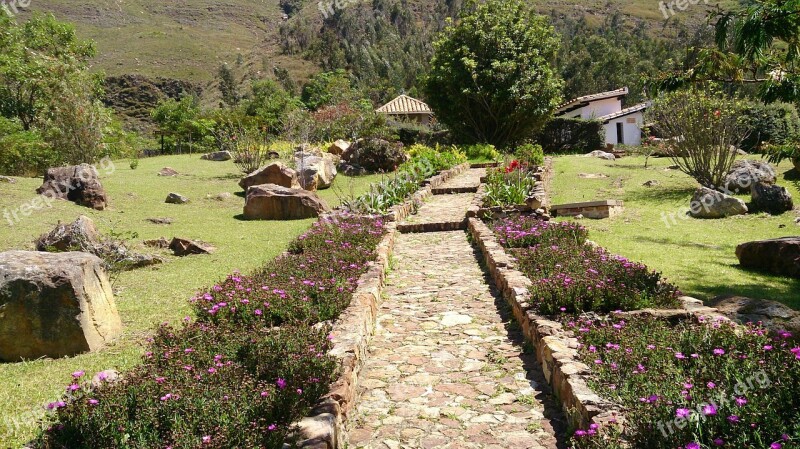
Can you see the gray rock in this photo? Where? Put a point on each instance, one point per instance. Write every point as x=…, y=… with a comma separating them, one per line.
x=707, y=203
x=176, y=198
x=316, y=172
x=80, y=235
x=745, y=173
x=8, y=180
x=54, y=305
x=161, y=221
x=651, y=183
x=217, y=156
x=770, y=198
x=772, y=315
x=168, y=171
x=602, y=155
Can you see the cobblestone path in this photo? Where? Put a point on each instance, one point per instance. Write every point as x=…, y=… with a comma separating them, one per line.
x=446, y=367
x=470, y=179
x=442, y=209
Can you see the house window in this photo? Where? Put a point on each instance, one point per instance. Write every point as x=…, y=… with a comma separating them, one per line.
x=620, y=133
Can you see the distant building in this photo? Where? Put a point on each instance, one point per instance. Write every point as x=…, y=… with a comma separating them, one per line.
x=405, y=108
x=622, y=126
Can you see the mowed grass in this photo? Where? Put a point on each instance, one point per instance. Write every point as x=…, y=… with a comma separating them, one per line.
x=149, y=296
x=697, y=255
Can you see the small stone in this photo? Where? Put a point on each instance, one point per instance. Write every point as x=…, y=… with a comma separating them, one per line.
x=391, y=444
x=456, y=319
x=176, y=198
x=161, y=221
x=651, y=183
x=168, y=171
x=8, y=180
x=503, y=399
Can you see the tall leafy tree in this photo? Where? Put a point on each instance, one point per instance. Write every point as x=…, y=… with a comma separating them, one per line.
x=37, y=58
x=491, y=77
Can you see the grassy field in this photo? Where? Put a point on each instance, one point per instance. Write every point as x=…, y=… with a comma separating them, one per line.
x=697, y=255
x=147, y=296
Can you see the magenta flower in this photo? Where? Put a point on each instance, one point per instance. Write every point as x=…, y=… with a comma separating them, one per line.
x=93, y=402
x=78, y=374
x=709, y=410
x=281, y=383
x=719, y=442
x=775, y=445
x=741, y=402
x=692, y=445
x=719, y=351
x=683, y=413
x=206, y=439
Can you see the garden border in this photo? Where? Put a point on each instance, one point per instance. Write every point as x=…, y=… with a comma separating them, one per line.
x=544, y=179
x=325, y=427
x=555, y=350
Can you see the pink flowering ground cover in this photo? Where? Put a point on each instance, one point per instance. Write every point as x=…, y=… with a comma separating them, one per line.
x=253, y=362
x=571, y=277
x=692, y=385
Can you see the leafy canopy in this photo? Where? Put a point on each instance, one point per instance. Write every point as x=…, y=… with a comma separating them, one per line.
x=491, y=78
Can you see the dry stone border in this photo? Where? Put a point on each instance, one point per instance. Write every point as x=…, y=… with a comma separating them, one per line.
x=557, y=351
x=538, y=204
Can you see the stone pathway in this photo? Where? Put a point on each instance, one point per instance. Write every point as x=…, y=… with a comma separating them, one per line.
x=450, y=209
x=446, y=367
x=469, y=181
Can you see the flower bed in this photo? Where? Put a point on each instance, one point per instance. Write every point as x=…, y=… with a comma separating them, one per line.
x=692, y=385
x=424, y=163
x=249, y=368
x=569, y=276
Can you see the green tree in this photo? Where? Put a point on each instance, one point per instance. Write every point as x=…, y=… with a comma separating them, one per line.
x=328, y=89
x=228, y=87
x=491, y=78
x=270, y=103
x=36, y=59
x=182, y=120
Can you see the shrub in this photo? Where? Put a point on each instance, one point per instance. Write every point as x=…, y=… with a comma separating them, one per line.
x=424, y=163
x=692, y=385
x=23, y=152
x=377, y=155
x=703, y=128
x=775, y=123
x=571, y=135
x=570, y=276
x=202, y=386
x=530, y=154
x=481, y=152
x=410, y=133
x=250, y=148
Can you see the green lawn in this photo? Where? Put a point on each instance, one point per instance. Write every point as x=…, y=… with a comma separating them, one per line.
x=147, y=296
x=697, y=255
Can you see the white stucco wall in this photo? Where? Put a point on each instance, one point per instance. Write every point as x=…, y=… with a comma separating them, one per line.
x=599, y=108
x=632, y=132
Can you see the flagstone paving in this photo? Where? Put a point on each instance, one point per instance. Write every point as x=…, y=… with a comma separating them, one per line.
x=446, y=367
x=442, y=209
x=470, y=179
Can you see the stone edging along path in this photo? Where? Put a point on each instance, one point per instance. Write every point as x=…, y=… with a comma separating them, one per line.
x=324, y=428
x=555, y=350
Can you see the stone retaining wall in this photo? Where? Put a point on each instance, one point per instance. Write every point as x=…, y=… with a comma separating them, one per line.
x=352, y=332
x=544, y=178
x=556, y=351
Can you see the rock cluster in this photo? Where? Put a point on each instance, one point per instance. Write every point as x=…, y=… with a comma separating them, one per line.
x=77, y=183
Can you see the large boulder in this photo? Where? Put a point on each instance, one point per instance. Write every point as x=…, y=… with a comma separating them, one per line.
x=745, y=173
x=274, y=202
x=708, y=203
x=275, y=173
x=316, y=172
x=54, y=305
x=375, y=155
x=217, y=156
x=778, y=256
x=77, y=183
x=772, y=315
x=339, y=147
x=770, y=198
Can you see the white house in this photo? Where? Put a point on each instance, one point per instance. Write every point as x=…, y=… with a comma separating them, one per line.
x=622, y=126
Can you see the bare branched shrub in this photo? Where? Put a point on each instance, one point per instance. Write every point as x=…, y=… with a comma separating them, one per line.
x=704, y=129
x=249, y=147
